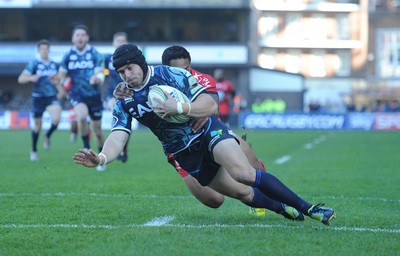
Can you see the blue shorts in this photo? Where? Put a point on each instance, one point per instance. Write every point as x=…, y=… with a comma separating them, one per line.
x=94, y=104
x=198, y=159
x=39, y=104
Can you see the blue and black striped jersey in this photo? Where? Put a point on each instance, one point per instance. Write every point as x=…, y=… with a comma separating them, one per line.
x=173, y=137
x=80, y=67
x=43, y=87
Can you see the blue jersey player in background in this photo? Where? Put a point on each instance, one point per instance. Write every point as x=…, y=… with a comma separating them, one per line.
x=113, y=79
x=212, y=155
x=85, y=66
x=42, y=72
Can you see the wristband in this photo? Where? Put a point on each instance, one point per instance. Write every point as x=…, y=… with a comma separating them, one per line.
x=179, y=107
x=105, y=159
x=190, y=108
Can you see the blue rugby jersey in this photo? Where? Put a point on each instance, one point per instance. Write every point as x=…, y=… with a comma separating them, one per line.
x=80, y=67
x=173, y=137
x=113, y=78
x=43, y=87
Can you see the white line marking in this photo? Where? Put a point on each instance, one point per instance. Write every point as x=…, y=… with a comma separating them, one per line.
x=308, y=146
x=59, y=194
x=85, y=226
x=159, y=221
x=282, y=159
x=315, y=142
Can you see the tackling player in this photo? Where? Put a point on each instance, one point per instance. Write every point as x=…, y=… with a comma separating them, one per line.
x=178, y=56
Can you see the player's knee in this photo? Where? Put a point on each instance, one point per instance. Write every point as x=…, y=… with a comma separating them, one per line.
x=259, y=165
x=245, y=176
x=214, y=202
x=244, y=194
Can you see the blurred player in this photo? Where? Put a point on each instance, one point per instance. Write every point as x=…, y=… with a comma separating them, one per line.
x=85, y=66
x=226, y=92
x=42, y=72
x=113, y=80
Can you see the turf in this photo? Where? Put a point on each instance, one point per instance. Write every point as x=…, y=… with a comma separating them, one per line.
x=54, y=207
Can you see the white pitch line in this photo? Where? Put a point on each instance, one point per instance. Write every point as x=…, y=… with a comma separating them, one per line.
x=61, y=194
x=283, y=159
x=308, y=146
x=86, y=226
x=159, y=221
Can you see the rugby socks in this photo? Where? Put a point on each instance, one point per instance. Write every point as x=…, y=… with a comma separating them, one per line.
x=260, y=200
x=35, y=137
x=85, y=139
x=51, y=130
x=274, y=188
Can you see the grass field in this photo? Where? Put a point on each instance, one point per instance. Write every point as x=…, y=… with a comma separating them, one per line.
x=54, y=207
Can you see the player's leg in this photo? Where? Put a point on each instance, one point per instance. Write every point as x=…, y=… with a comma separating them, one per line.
x=228, y=154
x=38, y=107
x=73, y=124
x=204, y=194
x=96, y=127
x=37, y=119
x=251, y=156
x=82, y=111
x=95, y=106
x=225, y=184
x=256, y=163
x=55, y=116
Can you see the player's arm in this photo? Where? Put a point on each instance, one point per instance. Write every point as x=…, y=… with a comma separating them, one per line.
x=62, y=75
x=121, y=91
x=98, y=77
x=26, y=77
x=198, y=123
x=203, y=106
x=112, y=147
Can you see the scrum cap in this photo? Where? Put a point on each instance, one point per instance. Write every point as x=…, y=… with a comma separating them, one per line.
x=129, y=54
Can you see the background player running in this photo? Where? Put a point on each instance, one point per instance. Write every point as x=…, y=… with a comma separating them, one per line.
x=85, y=66
x=42, y=72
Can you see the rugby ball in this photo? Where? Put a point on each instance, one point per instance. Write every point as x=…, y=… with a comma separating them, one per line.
x=160, y=92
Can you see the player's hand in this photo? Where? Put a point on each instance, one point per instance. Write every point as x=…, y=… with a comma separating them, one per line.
x=54, y=79
x=34, y=78
x=87, y=158
x=167, y=107
x=94, y=80
x=121, y=91
x=197, y=124
x=61, y=94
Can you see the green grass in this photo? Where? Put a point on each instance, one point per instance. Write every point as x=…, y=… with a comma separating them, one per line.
x=54, y=207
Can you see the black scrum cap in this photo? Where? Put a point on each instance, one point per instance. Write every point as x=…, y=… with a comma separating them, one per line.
x=129, y=54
